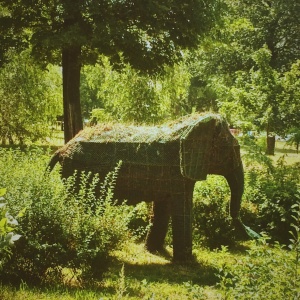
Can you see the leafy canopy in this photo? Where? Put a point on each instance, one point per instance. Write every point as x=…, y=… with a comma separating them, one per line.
x=145, y=33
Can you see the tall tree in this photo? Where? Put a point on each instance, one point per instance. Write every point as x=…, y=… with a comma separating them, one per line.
x=245, y=60
x=277, y=25
x=146, y=34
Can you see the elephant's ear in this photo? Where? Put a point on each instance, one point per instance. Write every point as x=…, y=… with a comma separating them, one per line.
x=195, y=147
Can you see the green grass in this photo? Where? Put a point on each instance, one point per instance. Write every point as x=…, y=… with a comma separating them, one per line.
x=137, y=274
x=289, y=152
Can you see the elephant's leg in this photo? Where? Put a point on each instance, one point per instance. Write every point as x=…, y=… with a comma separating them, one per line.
x=182, y=223
x=160, y=220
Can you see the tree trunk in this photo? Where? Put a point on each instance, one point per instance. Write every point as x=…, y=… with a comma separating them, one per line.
x=270, y=142
x=270, y=145
x=71, y=66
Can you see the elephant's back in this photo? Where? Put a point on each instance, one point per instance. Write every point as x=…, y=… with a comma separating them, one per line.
x=128, y=133
x=107, y=144
x=94, y=155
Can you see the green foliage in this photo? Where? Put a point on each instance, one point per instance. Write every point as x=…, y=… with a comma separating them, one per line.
x=146, y=35
x=294, y=138
x=100, y=115
x=271, y=190
x=7, y=235
x=212, y=221
x=29, y=100
x=139, y=220
x=62, y=229
x=129, y=96
x=267, y=272
x=249, y=62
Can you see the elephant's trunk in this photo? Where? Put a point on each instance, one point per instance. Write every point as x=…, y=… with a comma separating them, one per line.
x=235, y=181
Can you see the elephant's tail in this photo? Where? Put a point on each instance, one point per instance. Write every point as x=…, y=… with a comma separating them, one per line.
x=53, y=161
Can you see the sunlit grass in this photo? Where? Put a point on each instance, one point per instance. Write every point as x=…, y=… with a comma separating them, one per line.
x=289, y=153
x=138, y=274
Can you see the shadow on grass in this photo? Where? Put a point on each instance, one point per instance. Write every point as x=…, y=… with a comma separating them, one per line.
x=148, y=273
x=200, y=271
x=173, y=273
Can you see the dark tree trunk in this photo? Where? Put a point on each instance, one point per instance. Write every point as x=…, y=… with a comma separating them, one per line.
x=270, y=145
x=270, y=142
x=71, y=66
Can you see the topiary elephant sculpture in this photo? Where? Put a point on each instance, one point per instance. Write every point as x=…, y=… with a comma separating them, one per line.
x=161, y=164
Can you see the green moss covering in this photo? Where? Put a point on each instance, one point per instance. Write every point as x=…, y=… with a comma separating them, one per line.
x=122, y=133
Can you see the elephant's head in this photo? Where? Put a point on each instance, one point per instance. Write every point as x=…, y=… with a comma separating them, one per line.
x=208, y=147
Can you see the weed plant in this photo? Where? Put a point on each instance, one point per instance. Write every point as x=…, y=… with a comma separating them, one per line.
x=271, y=190
x=266, y=272
x=212, y=221
x=7, y=236
x=66, y=235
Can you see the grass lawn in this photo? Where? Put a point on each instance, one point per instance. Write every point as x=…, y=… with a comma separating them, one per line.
x=137, y=274
x=289, y=152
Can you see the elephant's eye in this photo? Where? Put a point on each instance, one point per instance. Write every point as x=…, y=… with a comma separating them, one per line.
x=218, y=129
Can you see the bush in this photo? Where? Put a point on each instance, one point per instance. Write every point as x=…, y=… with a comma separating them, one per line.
x=212, y=221
x=7, y=236
x=266, y=272
x=273, y=190
x=61, y=230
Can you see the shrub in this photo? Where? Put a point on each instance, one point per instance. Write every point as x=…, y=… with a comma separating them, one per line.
x=62, y=229
x=7, y=235
x=266, y=272
x=139, y=220
x=273, y=190
x=212, y=221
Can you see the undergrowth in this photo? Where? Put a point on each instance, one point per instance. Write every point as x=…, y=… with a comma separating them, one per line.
x=62, y=228
x=70, y=240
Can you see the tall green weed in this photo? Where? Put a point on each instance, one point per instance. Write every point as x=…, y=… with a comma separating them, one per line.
x=266, y=272
x=272, y=189
x=212, y=226
x=7, y=226
x=64, y=230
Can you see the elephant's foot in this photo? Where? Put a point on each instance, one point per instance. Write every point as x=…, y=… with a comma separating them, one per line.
x=158, y=230
x=184, y=257
x=153, y=246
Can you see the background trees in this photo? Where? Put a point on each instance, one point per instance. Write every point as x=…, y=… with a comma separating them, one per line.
x=30, y=99
x=246, y=62
x=246, y=66
x=145, y=34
